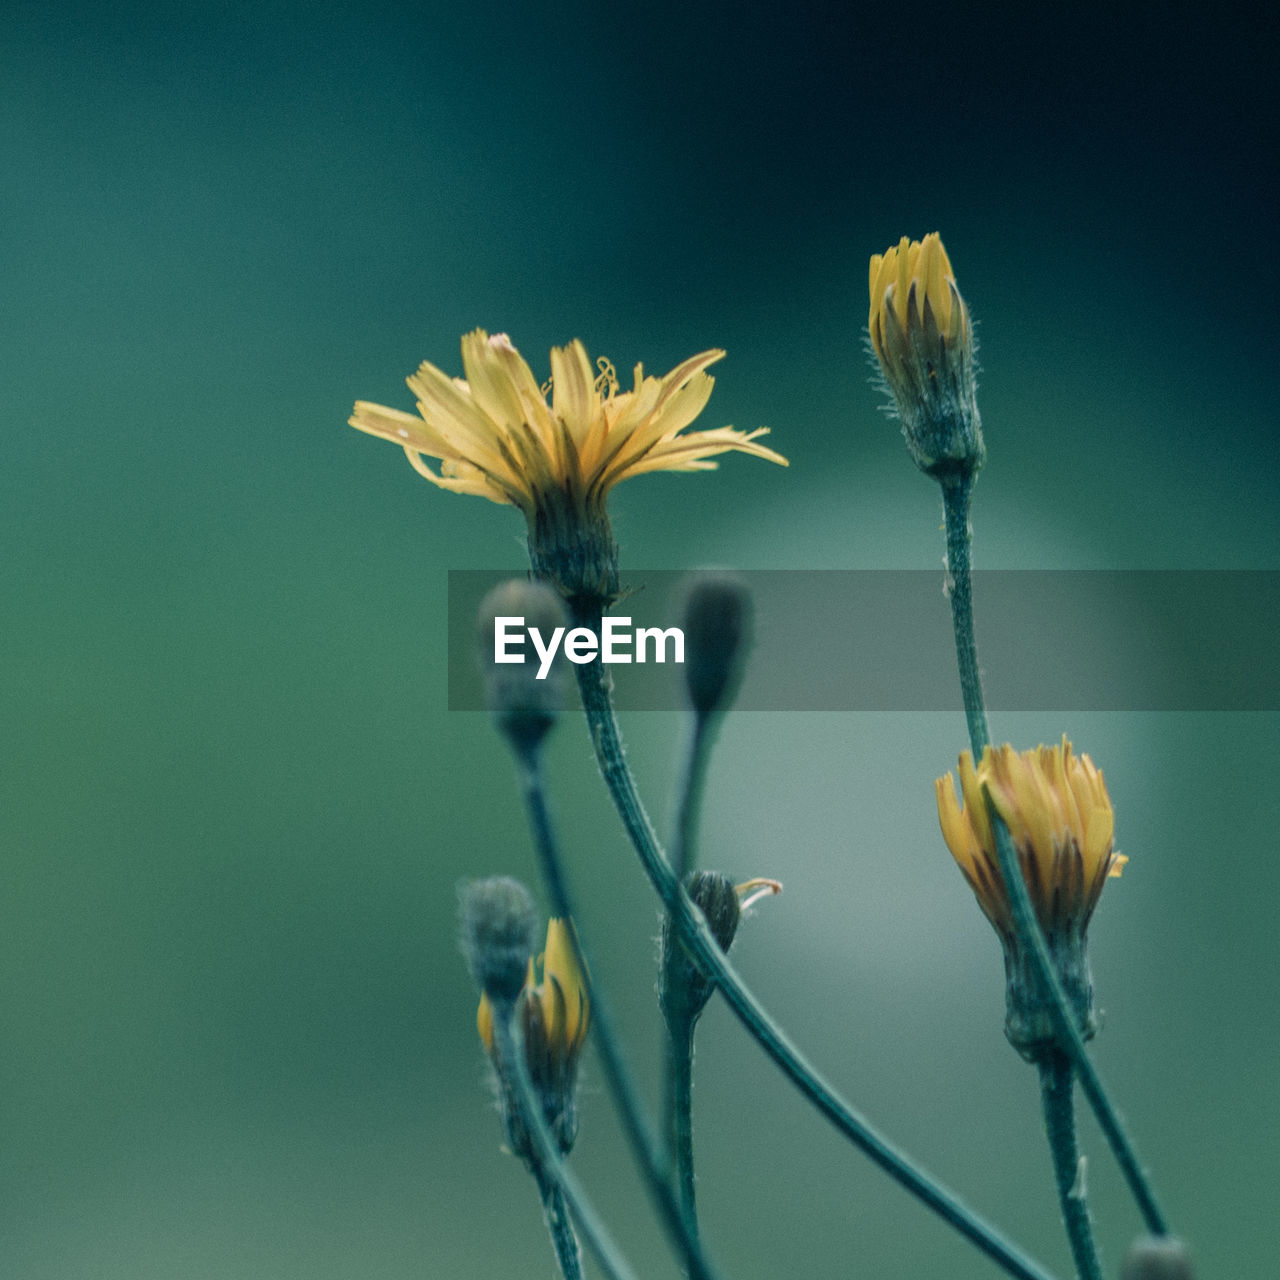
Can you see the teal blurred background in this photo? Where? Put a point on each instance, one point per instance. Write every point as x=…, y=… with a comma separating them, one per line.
x=235, y=1034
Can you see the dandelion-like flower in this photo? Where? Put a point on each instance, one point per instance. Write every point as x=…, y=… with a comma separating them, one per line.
x=554, y=1012
x=922, y=336
x=498, y=435
x=1060, y=819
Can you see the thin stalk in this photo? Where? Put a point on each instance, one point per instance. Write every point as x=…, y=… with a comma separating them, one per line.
x=677, y=1076
x=593, y=682
x=678, y=1113
x=555, y=1210
x=955, y=500
x=626, y=1097
x=556, y=1182
x=693, y=782
x=1057, y=1087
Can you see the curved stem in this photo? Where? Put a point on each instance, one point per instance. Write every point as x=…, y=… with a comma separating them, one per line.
x=626, y=1098
x=556, y=1182
x=1057, y=1085
x=593, y=683
x=955, y=501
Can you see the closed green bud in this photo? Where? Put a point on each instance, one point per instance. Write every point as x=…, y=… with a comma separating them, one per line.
x=1157, y=1258
x=717, y=636
x=524, y=706
x=499, y=930
x=683, y=990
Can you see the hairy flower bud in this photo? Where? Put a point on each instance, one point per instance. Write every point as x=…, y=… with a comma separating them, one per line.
x=499, y=926
x=923, y=339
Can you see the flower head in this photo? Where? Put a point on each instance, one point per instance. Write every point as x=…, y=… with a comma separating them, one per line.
x=922, y=336
x=1056, y=807
x=1060, y=819
x=554, y=1010
x=499, y=435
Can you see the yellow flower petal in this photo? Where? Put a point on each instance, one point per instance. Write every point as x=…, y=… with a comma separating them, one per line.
x=501, y=439
x=484, y=1023
x=560, y=965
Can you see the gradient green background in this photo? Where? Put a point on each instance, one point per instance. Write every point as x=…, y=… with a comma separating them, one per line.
x=235, y=1033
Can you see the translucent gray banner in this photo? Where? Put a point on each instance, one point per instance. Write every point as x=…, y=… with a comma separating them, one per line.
x=880, y=640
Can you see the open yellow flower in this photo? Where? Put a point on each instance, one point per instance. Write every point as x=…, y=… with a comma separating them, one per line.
x=923, y=339
x=498, y=436
x=1060, y=819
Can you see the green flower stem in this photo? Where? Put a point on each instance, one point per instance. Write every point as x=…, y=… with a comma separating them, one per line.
x=557, y=1185
x=678, y=1113
x=955, y=499
x=626, y=1098
x=593, y=682
x=555, y=1210
x=677, y=1095
x=1057, y=1086
x=689, y=805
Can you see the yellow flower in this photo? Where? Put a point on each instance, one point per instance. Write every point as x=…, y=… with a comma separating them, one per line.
x=912, y=284
x=498, y=436
x=554, y=1010
x=1059, y=815
x=922, y=336
x=1060, y=819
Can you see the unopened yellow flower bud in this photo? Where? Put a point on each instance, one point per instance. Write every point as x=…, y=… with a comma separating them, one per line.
x=554, y=1013
x=923, y=339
